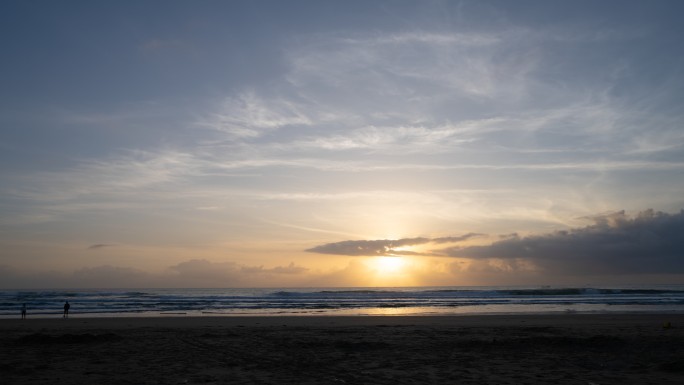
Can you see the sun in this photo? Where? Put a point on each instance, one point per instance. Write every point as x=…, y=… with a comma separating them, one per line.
x=390, y=270
x=389, y=265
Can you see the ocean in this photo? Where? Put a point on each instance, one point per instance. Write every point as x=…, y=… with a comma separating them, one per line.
x=342, y=301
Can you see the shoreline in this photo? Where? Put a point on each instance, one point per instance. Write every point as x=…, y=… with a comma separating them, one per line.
x=464, y=349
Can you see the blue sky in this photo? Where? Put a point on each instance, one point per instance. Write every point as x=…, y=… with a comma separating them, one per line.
x=209, y=143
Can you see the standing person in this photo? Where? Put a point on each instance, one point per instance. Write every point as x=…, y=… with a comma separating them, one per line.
x=23, y=311
x=66, y=309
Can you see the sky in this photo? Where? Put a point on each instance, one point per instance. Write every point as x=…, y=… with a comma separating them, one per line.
x=341, y=143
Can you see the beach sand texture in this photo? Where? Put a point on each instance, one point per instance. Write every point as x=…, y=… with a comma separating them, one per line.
x=539, y=349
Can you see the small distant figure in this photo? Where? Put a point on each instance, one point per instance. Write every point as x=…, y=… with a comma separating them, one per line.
x=23, y=311
x=667, y=325
x=66, y=309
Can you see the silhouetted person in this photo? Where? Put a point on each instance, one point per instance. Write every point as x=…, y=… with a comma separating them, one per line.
x=23, y=311
x=66, y=309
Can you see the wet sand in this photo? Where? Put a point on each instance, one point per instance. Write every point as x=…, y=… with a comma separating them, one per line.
x=491, y=349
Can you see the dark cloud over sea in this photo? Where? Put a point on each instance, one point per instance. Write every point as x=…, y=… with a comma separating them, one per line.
x=650, y=242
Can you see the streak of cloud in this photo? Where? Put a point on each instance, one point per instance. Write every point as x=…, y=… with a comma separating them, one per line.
x=382, y=247
x=289, y=269
x=98, y=246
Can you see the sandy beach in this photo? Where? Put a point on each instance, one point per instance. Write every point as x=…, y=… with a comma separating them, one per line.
x=492, y=349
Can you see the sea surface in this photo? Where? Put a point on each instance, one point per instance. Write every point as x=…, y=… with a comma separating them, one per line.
x=342, y=301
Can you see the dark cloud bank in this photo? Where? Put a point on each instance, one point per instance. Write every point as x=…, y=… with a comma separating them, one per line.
x=652, y=243
x=648, y=243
